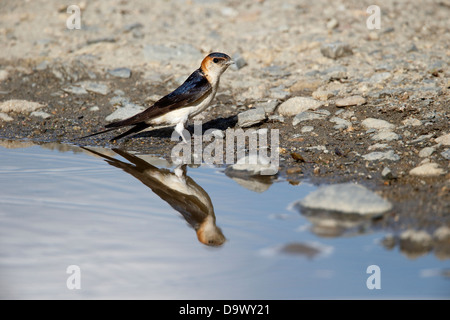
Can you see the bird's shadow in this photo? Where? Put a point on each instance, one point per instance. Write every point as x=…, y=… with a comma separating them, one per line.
x=219, y=123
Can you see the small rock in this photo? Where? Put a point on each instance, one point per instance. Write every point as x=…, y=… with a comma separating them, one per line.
x=427, y=169
x=296, y=105
x=3, y=75
x=426, y=152
x=75, y=90
x=278, y=93
x=128, y=110
x=322, y=95
x=336, y=50
x=307, y=129
x=378, y=155
x=310, y=115
x=412, y=122
x=387, y=174
x=378, y=146
x=255, y=165
x=340, y=123
x=94, y=108
x=251, y=117
x=350, y=101
x=346, y=198
x=385, y=135
x=120, y=72
x=95, y=87
x=239, y=62
x=444, y=139
x=446, y=154
x=5, y=117
x=19, y=106
x=269, y=106
x=41, y=114
x=372, y=123
x=332, y=24
x=276, y=117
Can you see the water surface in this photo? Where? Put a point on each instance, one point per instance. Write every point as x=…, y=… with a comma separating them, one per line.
x=134, y=236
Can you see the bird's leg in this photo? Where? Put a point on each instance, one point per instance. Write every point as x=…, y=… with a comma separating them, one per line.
x=179, y=128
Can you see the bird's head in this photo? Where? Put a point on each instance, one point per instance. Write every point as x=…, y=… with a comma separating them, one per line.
x=215, y=64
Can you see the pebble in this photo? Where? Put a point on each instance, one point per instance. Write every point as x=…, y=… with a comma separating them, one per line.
x=346, y=198
x=426, y=152
x=350, y=101
x=427, y=169
x=254, y=165
x=307, y=129
x=336, y=50
x=96, y=87
x=74, y=90
x=372, y=123
x=41, y=114
x=5, y=117
x=128, y=110
x=94, y=108
x=340, y=123
x=120, y=72
x=3, y=75
x=322, y=95
x=444, y=139
x=385, y=135
x=310, y=115
x=296, y=105
x=251, y=117
x=446, y=154
x=412, y=122
x=19, y=106
x=378, y=155
x=269, y=106
x=378, y=146
x=332, y=24
x=239, y=61
x=387, y=174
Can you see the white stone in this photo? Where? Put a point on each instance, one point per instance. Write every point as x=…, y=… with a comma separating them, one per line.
x=444, y=139
x=385, y=135
x=378, y=155
x=346, y=198
x=41, y=114
x=426, y=152
x=19, y=106
x=296, y=105
x=372, y=123
x=427, y=169
x=5, y=117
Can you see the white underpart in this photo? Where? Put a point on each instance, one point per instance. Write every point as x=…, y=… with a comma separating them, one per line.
x=180, y=116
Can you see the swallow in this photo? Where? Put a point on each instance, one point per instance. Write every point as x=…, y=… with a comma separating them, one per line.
x=179, y=190
x=185, y=102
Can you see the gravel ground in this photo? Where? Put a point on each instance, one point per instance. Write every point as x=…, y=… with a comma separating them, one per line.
x=351, y=104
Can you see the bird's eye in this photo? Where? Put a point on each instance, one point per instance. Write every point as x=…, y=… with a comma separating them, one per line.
x=215, y=60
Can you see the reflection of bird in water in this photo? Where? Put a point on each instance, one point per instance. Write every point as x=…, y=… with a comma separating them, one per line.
x=178, y=190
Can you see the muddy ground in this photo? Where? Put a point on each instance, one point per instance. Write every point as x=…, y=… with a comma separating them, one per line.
x=420, y=202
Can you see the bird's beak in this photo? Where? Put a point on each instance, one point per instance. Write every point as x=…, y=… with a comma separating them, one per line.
x=230, y=62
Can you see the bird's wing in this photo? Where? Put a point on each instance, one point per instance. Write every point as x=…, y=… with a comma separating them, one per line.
x=194, y=88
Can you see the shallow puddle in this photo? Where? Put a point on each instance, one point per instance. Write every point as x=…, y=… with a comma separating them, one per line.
x=106, y=224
